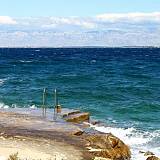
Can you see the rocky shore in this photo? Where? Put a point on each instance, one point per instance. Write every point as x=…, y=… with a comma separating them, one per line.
x=33, y=136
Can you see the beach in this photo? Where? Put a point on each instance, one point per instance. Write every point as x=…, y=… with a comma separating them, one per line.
x=32, y=148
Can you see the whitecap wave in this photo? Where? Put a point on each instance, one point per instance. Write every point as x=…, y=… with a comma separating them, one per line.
x=33, y=106
x=23, y=61
x=2, y=81
x=5, y=106
x=2, y=105
x=37, y=50
x=137, y=140
x=93, y=61
x=69, y=75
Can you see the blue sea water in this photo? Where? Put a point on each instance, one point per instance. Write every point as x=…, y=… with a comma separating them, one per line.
x=119, y=86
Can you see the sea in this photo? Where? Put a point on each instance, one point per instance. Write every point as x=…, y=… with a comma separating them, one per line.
x=118, y=86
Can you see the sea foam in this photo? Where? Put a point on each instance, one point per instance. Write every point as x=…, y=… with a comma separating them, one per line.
x=2, y=105
x=137, y=140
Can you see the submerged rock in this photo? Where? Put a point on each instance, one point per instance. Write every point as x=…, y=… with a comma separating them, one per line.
x=142, y=152
x=153, y=158
x=95, y=122
x=148, y=153
x=77, y=118
x=108, y=146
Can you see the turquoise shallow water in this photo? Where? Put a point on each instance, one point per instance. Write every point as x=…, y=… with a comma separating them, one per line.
x=120, y=86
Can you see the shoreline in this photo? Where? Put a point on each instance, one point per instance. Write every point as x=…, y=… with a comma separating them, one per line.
x=67, y=137
x=26, y=132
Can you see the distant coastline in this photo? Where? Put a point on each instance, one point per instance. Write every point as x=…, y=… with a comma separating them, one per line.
x=38, y=47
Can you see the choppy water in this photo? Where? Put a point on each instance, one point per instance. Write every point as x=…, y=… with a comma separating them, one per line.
x=120, y=86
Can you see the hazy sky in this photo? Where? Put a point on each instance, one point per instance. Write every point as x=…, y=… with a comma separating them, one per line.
x=18, y=8
x=79, y=22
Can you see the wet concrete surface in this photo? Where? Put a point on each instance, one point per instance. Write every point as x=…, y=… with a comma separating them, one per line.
x=29, y=123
